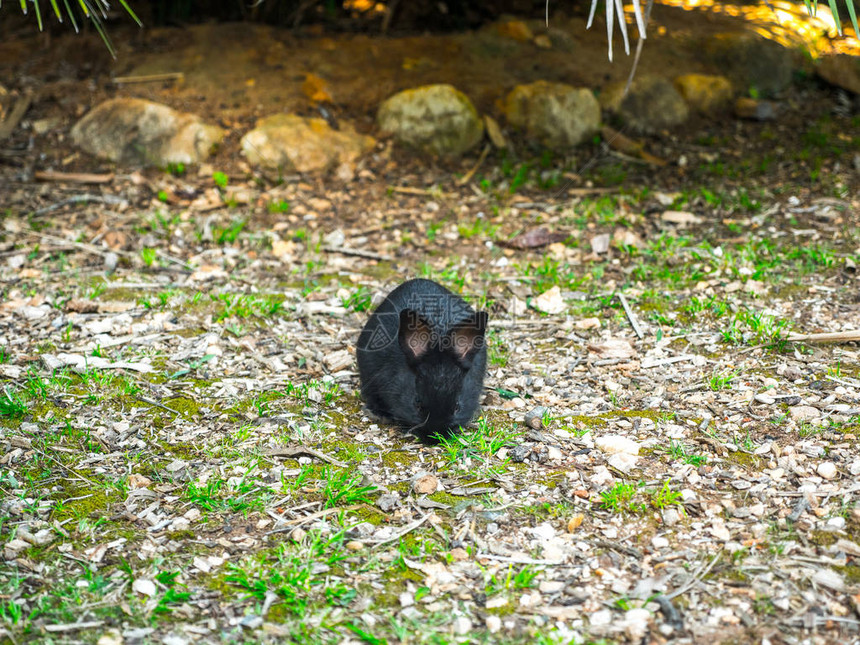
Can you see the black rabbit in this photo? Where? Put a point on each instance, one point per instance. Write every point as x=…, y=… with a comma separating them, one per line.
x=422, y=359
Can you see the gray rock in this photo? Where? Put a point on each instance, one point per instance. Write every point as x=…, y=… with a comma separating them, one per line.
x=534, y=417
x=841, y=70
x=708, y=94
x=297, y=144
x=388, y=502
x=436, y=119
x=651, y=105
x=752, y=62
x=519, y=453
x=556, y=115
x=136, y=131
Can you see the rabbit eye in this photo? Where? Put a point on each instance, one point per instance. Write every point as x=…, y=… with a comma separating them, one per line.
x=456, y=407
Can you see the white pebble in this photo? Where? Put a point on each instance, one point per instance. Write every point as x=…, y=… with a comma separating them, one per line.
x=827, y=470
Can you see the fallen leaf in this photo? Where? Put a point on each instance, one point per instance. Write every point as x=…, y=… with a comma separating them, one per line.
x=550, y=302
x=534, y=239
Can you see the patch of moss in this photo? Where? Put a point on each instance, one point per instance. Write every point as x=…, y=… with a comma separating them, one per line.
x=654, y=415
x=746, y=459
x=367, y=513
x=822, y=538
x=453, y=501
x=394, y=458
x=76, y=501
x=185, y=406
x=586, y=422
x=850, y=572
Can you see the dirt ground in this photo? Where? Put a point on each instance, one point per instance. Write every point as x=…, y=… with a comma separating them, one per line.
x=667, y=450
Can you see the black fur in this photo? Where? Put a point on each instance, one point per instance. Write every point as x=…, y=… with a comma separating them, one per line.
x=422, y=358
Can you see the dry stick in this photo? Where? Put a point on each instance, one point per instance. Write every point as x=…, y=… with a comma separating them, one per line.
x=516, y=560
x=825, y=337
x=424, y=192
x=75, y=177
x=407, y=529
x=701, y=573
x=302, y=450
x=71, y=627
x=150, y=78
x=62, y=465
x=357, y=252
x=465, y=179
x=842, y=381
x=144, y=399
x=639, y=44
x=79, y=199
x=92, y=248
x=8, y=125
x=389, y=15
x=630, y=315
x=290, y=524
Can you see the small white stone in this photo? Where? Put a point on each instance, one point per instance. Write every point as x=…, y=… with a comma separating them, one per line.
x=836, y=523
x=406, y=599
x=636, y=623
x=494, y=624
x=495, y=603
x=623, y=462
x=804, y=413
x=827, y=470
x=462, y=625
x=554, y=454
x=600, y=617
x=110, y=637
x=551, y=586
x=612, y=444
x=544, y=531
x=550, y=302
x=143, y=586
x=180, y=524
x=659, y=542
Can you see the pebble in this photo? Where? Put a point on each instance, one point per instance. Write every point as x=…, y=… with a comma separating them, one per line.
x=143, y=586
x=623, y=462
x=180, y=524
x=551, y=586
x=827, y=470
x=671, y=517
x=636, y=623
x=534, y=417
x=13, y=547
x=804, y=413
x=836, y=523
x=388, y=502
x=110, y=637
x=544, y=531
x=251, y=622
x=554, y=454
x=425, y=484
x=613, y=443
x=601, y=617
x=574, y=522
x=462, y=625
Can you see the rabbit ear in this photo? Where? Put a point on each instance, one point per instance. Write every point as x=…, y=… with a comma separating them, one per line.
x=414, y=335
x=468, y=337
